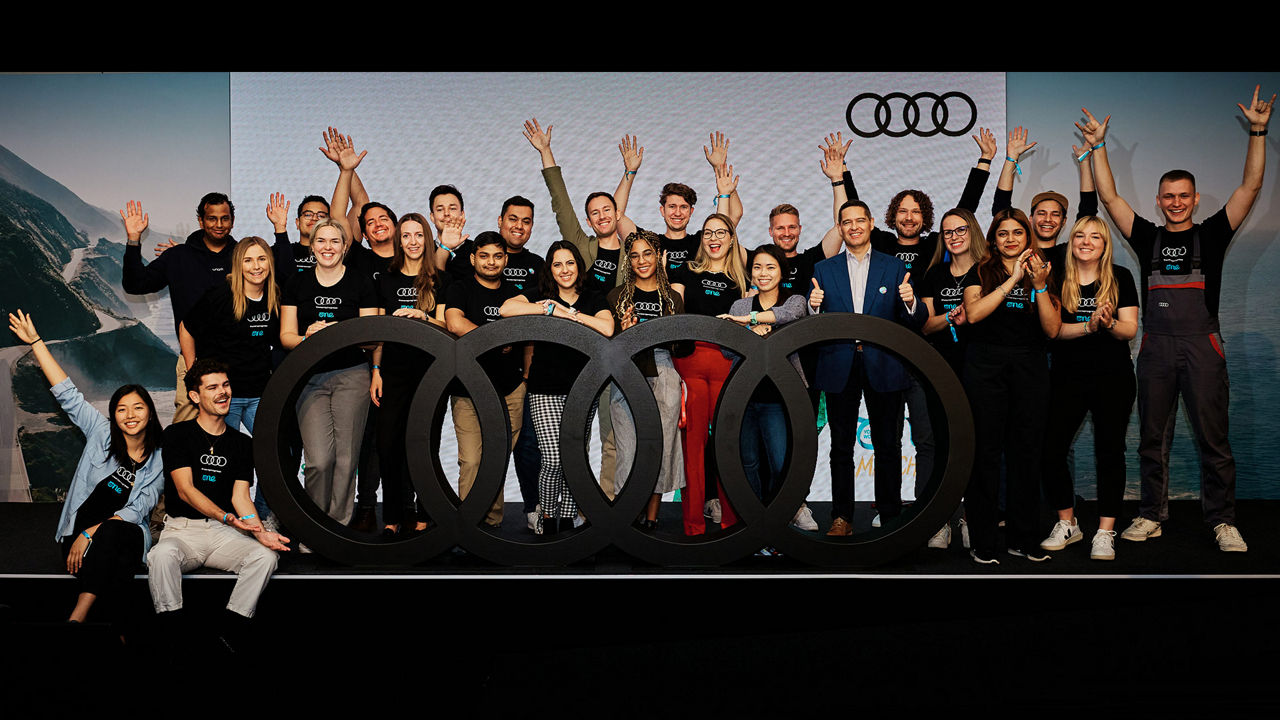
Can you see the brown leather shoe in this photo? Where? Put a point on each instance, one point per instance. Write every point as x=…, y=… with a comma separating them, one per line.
x=840, y=528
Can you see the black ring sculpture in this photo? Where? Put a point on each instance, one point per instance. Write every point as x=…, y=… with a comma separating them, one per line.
x=940, y=113
x=611, y=360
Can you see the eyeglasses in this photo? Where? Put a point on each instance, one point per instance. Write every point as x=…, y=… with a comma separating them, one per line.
x=322, y=215
x=718, y=234
x=961, y=231
x=638, y=255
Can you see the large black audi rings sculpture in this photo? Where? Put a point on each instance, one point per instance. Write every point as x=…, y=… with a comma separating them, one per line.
x=457, y=523
x=940, y=113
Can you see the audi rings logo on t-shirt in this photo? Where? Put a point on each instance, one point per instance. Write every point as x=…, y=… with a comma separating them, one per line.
x=714, y=285
x=260, y=318
x=124, y=475
x=1173, y=252
x=407, y=292
x=606, y=266
x=322, y=301
x=652, y=308
x=515, y=272
x=213, y=460
x=951, y=294
x=676, y=256
x=908, y=257
x=611, y=361
x=876, y=116
x=492, y=311
x=1087, y=302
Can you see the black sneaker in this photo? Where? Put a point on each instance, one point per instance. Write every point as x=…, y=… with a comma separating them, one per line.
x=364, y=520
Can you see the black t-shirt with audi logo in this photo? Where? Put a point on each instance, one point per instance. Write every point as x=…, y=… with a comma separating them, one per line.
x=341, y=301
x=945, y=293
x=481, y=306
x=244, y=344
x=108, y=496
x=915, y=257
x=603, y=272
x=216, y=462
x=521, y=273
x=1014, y=323
x=398, y=291
x=1101, y=350
x=1175, y=254
x=706, y=293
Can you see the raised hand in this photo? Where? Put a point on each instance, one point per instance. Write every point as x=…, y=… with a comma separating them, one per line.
x=726, y=181
x=816, y=295
x=628, y=319
x=451, y=231
x=135, y=221
x=347, y=158
x=20, y=324
x=833, y=155
x=540, y=140
x=1259, y=112
x=986, y=143
x=1020, y=267
x=1094, y=132
x=1039, y=272
x=162, y=246
x=718, y=154
x=1017, y=143
x=632, y=154
x=278, y=211
x=905, y=291
x=333, y=142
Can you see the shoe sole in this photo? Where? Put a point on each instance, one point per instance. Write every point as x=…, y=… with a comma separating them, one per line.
x=1234, y=549
x=1018, y=553
x=1077, y=537
x=1139, y=538
x=1102, y=557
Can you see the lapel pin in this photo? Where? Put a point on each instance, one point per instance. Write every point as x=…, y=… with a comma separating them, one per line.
x=882, y=290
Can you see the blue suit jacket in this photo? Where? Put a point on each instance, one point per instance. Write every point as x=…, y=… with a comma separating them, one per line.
x=884, y=371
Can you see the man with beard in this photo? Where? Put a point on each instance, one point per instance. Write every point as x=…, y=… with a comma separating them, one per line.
x=209, y=517
x=910, y=214
x=1181, y=352
x=1049, y=208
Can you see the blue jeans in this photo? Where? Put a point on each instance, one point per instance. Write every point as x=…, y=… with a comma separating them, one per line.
x=764, y=442
x=244, y=411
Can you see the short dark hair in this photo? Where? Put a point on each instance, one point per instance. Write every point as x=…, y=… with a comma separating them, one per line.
x=151, y=435
x=215, y=198
x=600, y=193
x=854, y=203
x=444, y=190
x=200, y=368
x=547, y=285
x=683, y=191
x=311, y=199
x=518, y=201
x=926, y=208
x=371, y=205
x=488, y=237
x=1174, y=176
x=784, y=209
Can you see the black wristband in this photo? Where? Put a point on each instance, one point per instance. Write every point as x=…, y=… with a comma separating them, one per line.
x=1258, y=133
x=837, y=183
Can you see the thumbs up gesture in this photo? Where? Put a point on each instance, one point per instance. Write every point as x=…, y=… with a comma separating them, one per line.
x=816, y=295
x=905, y=291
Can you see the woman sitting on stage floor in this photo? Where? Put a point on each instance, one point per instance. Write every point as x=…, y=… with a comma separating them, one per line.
x=115, y=486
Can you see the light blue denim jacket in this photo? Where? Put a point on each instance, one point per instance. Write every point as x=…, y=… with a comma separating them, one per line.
x=96, y=463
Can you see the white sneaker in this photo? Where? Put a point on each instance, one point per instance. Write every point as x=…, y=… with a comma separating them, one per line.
x=535, y=519
x=875, y=521
x=1062, y=535
x=1104, y=545
x=1229, y=539
x=804, y=519
x=1141, y=529
x=711, y=509
x=941, y=539
x=964, y=533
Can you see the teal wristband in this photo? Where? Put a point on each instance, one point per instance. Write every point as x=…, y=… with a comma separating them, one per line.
x=1016, y=166
x=86, y=535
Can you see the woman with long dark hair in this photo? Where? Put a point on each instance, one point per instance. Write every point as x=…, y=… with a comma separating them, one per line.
x=410, y=288
x=709, y=285
x=1091, y=372
x=644, y=294
x=334, y=404
x=554, y=368
x=1012, y=316
x=103, y=526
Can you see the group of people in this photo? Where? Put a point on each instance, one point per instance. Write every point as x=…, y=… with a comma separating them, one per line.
x=1039, y=332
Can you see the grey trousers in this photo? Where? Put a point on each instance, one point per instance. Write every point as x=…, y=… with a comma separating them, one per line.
x=187, y=544
x=332, y=411
x=666, y=390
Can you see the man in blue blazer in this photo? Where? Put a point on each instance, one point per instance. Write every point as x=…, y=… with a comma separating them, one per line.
x=865, y=281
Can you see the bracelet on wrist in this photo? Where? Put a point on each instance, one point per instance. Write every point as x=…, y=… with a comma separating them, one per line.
x=1016, y=166
x=837, y=183
x=86, y=535
x=1258, y=133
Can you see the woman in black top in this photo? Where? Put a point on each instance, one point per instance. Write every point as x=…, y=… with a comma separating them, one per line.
x=409, y=289
x=554, y=368
x=103, y=527
x=1092, y=371
x=1007, y=378
x=709, y=285
x=334, y=404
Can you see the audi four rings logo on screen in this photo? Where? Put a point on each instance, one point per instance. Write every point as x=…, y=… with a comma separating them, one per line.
x=213, y=460
x=898, y=114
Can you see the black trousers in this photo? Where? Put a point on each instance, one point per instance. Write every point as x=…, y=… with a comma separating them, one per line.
x=113, y=559
x=1108, y=394
x=884, y=411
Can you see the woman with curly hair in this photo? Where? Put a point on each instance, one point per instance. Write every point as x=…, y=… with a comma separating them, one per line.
x=1012, y=316
x=645, y=294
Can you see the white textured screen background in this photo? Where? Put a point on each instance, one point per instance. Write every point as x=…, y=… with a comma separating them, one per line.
x=422, y=130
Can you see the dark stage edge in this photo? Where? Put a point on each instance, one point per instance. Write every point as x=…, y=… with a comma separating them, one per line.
x=1172, y=624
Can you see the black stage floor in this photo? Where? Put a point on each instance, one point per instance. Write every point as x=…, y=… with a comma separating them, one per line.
x=1171, y=624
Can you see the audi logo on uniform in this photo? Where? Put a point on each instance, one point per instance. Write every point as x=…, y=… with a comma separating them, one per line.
x=1173, y=252
x=492, y=311
x=213, y=460
x=408, y=292
x=649, y=307
x=322, y=301
x=515, y=272
x=883, y=115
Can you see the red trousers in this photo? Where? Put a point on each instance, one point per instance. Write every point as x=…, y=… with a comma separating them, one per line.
x=704, y=373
